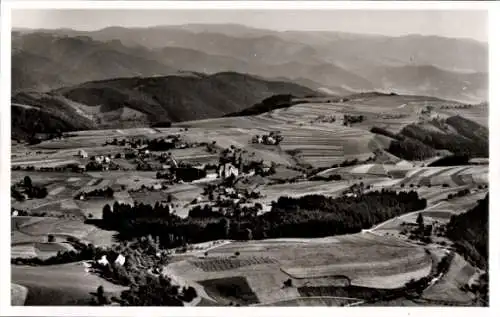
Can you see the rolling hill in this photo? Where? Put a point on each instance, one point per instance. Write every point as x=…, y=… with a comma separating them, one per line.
x=139, y=101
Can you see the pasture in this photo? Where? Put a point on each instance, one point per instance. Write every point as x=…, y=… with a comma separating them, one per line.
x=66, y=284
x=448, y=288
x=37, y=229
x=41, y=250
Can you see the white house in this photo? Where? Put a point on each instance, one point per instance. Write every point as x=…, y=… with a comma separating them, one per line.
x=120, y=260
x=229, y=191
x=157, y=186
x=107, y=160
x=271, y=140
x=103, y=261
x=227, y=170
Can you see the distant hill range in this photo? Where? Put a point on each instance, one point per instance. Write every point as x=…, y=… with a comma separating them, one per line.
x=332, y=62
x=141, y=101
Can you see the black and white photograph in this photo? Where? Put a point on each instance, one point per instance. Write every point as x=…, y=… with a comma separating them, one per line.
x=232, y=157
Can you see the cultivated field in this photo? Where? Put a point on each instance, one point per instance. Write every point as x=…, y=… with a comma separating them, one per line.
x=366, y=259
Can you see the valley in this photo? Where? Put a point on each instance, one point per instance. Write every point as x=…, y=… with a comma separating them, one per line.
x=318, y=155
x=224, y=165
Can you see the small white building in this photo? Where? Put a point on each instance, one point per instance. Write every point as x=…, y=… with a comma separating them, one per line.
x=120, y=260
x=229, y=191
x=271, y=140
x=107, y=160
x=103, y=261
x=228, y=170
x=157, y=186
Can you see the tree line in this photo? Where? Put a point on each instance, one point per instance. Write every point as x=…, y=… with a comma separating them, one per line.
x=309, y=216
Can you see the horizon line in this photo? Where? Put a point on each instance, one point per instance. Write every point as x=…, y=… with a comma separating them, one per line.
x=14, y=28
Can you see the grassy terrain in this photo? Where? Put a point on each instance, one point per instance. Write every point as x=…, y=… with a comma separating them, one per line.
x=66, y=284
x=449, y=287
x=37, y=229
x=18, y=294
x=397, y=262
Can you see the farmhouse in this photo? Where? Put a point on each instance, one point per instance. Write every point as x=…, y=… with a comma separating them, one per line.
x=120, y=260
x=157, y=186
x=83, y=154
x=273, y=138
x=103, y=261
x=227, y=170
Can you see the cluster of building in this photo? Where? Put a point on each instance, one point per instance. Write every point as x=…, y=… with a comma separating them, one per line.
x=273, y=138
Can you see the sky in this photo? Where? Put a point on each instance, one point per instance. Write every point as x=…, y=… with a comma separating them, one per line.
x=448, y=23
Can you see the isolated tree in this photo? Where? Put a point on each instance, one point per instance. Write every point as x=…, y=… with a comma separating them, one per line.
x=237, y=253
x=51, y=238
x=287, y=283
x=225, y=227
x=420, y=222
x=101, y=297
x=100, y=291
x=27, y=181
x=106, y=212
x=272, y=169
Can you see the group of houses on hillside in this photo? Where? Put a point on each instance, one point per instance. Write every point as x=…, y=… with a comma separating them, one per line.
x=273, y=138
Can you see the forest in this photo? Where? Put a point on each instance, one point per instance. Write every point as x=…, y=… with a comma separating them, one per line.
x=309, y=216
x=469, y=231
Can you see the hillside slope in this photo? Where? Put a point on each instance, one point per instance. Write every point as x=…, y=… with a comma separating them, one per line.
x=135, y=101
x=43, y=61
